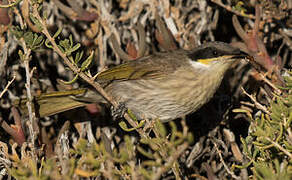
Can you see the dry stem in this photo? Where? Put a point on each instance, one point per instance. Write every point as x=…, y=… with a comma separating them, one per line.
x=7, y=86
x=224, y=164
x=257, y=104
x=280, y=147
x=229, y=8
x=32, y=119
x=170, y=161
x=84, y=76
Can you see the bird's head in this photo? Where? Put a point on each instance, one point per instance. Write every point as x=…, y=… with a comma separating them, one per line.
x=215, y=56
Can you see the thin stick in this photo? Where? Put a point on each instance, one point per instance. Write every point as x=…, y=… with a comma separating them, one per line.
x=85, y=77
x=170, y=161
x=257, y=104
x=224, y=164
x=280, y=147
x=31, y=115
x=228, y=8
x=278, y=91
x=7, y=86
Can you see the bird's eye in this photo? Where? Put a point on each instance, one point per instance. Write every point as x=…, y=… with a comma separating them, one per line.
x=215, y=53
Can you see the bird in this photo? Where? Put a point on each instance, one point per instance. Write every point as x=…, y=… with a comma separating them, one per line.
x=165, y=85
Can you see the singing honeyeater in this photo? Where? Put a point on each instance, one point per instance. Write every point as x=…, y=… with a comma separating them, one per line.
x=165, y=85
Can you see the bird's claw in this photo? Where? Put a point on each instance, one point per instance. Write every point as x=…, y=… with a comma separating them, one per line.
x=118, y=112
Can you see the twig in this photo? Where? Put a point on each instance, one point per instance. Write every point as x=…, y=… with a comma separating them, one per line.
x=141, y=45
x=209, y=170
x=18, y=125
x=7, y=86
x=3, y=57
x=234, y=147
x=76, y=70
x=257, y=104
x=199, y=176
x=253, y=43
x=286, y=38
x=142, y=40
x=124, y=56
x=238, y=28
x=280, y=147
x=10, y=5
x=170, y=161
x=278, y=91
x=64, y=128
x=15, y=130
x=224, y=164
x=26, y=58
x=75, y=12
x=228, y=8
x=25, y=13
x=163, y=35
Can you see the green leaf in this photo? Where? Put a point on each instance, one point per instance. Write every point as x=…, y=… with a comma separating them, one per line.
x=124, y=126
x=72, y=49
x=47, y=43
x=58, y=32
x=160, y=128
x=33, y=40
x=10, y=5
x=21, y=56
x=28, y=38
x=71, y=40
x=65, y=44
x=17, y=31
x=78, y=56
x=37, y=23
x=149, y=155
x=72, y=81
x=87, y=62
x=132, y=115
x=173, y=131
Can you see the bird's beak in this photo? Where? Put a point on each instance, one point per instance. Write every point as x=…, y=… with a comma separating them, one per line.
x=242, y=55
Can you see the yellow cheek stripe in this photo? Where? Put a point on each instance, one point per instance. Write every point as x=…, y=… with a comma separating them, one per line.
x=208, y=61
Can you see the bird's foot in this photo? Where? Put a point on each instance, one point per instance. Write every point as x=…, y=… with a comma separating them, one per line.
x=118, y=112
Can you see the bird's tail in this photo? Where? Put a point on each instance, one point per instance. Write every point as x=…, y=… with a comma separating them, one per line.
x=56, y=102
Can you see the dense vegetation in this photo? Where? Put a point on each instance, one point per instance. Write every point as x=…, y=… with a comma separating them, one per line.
x=244, y=132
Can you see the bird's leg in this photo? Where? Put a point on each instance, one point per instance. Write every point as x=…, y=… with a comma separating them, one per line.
x=118, y=112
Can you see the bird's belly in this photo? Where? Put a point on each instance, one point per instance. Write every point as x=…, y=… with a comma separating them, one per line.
x=161, y=100
x=144, y=102
x=151, y=101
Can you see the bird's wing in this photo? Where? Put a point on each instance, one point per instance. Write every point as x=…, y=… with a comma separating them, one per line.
x=148, y=67
x=48, y=104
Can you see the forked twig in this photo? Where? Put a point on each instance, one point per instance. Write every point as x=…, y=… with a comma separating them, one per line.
x=224, y=164
x=257, y=104
x=170, y=161
x=280, y=147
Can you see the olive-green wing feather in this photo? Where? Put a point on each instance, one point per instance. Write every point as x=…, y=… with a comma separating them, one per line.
x=127, y=72
x=147, y=67
x=52, y=103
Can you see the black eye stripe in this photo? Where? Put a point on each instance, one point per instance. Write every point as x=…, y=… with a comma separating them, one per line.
x=212, y=50
x=205, y=53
